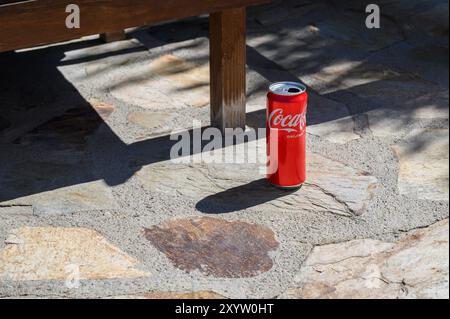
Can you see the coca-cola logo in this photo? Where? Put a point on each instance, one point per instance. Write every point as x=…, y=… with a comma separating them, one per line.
x=289, y=123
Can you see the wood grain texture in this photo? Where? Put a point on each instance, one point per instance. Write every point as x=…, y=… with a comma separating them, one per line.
x=9, y=1
x=228, y=58
x=36, y=22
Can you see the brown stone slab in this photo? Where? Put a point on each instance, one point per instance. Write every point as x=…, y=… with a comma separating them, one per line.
x=215, y=247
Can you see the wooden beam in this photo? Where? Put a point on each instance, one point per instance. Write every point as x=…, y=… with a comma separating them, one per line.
x=113, y=36
x=228, y=58
x=35, y=22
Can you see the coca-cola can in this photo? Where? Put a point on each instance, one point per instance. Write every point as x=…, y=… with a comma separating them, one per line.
x=286, y=134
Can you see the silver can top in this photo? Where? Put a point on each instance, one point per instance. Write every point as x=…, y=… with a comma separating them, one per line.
x=287, y=88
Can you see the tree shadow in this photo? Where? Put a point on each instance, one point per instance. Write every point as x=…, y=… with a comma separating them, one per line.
x=51, y=137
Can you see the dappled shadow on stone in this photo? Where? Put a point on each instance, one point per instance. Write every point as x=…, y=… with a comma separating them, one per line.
x=304, y=42
x=52, y=138
x=45, y=144
x=71, y=129
x=242, y=197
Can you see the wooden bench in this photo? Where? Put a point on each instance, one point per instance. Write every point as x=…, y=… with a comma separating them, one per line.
x=26, y=24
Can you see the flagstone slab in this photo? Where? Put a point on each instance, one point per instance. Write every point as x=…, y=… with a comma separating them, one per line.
x=434, y=18
x=278, y=12
x=394, y=121
x=167, y=82
x=339, y=131
x=424, y=169
x=48, y=167
x=394, y=92
x=329, y=24
x=52, y=253
x=356, y=75
x=104, y=110
x=414, y=15
x=416, y=266
x=332, y=187
x=16, y=211
x=215, y=247
x=67, y=132
x=83, y=197
x=378, y=85
x=98, y=61
x=330, y=120
x=346, y=28
x=72, y=128
x=152, y=120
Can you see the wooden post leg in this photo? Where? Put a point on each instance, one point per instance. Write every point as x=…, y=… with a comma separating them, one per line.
x=113, y=36
x=227, y=67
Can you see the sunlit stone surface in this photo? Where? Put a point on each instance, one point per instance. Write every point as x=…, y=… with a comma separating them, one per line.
x=46, y=253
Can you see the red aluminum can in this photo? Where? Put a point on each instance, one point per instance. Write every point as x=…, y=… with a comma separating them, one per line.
x=286, y=134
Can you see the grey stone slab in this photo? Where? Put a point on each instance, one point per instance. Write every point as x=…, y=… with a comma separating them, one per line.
x=414, y=267
x=423, y=157
x=332, y=187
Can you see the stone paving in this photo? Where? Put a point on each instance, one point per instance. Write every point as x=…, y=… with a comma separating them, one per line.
x=92, y=207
